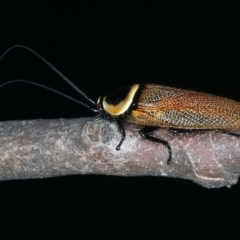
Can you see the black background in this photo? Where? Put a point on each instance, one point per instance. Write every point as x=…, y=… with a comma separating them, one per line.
x=101, y=46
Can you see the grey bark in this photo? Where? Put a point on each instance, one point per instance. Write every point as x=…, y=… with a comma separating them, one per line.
x=48, y=148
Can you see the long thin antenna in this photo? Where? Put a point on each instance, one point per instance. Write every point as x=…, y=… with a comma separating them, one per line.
x=52, y=67
x=51, y=90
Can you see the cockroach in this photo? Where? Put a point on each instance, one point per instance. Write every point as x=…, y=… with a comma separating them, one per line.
x=155, y=106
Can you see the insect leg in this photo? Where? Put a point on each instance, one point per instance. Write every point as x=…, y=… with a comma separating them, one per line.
x=143, y=133
x=122, y=130
x=181, y=130
x=228, y=133
x=176, y=130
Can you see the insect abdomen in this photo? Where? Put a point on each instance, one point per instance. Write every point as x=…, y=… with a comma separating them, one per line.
x=170, y=107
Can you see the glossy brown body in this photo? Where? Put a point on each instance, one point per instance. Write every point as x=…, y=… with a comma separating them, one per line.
x=169, y=107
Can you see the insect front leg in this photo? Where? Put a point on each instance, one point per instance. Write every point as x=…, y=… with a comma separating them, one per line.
x=122, y=130
x=143, y=133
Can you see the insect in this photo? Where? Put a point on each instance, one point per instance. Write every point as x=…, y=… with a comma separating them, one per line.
x=156, y=106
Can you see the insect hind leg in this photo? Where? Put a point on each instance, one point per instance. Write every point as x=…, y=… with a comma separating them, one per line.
x=176, y=130
x=143, y=133
x=228, y=133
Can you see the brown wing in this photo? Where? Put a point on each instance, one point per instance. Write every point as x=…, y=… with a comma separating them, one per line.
x=170, y=107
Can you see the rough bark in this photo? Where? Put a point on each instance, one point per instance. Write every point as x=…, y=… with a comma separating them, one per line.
x=48, y=148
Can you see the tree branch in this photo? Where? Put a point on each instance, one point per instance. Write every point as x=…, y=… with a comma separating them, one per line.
x=48, y=148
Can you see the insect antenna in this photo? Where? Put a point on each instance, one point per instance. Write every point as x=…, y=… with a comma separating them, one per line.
x=51, y=90
x=54, y=69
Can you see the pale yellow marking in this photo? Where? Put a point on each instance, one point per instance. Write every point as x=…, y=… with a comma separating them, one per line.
x=123, y=105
